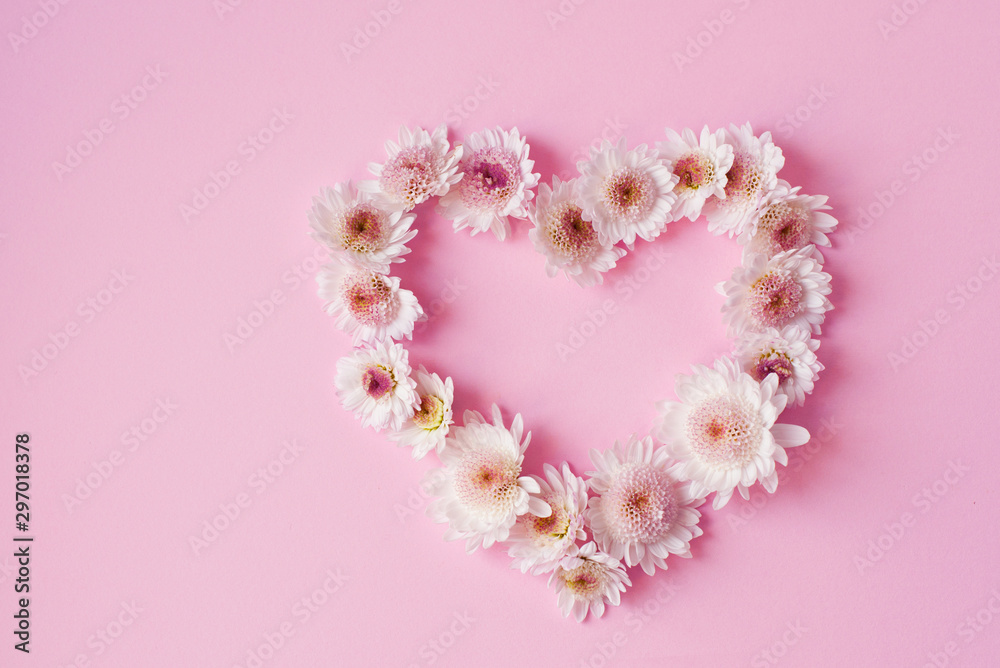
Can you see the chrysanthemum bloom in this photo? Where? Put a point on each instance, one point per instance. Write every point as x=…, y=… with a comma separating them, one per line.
x=366, y=304
x=496, y=183
x=789, y=355
x=482, y=491
x=428, y=426
x=568, y=241
x=420, y=166
x=699, y=164
x=627, y=193
x=756, y=161
x=375, y=384
x=357, y=231
x=587, y=581
x=787, y=289
x=723, y=432
x=787, y=220
x=537, y=544
x=643, y=511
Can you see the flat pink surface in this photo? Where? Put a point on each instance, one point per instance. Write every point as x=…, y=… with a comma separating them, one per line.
x=148, y=423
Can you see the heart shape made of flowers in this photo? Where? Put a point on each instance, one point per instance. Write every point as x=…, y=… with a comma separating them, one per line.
x=640, y=504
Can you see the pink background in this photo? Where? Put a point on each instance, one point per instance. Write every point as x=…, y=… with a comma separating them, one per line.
x=847, y=564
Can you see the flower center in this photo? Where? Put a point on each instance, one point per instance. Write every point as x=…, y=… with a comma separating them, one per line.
x=361, y=229
x=569, y=234
x=491, y=178
x=772, y=362
x=694, y=171
x=369, y=298
x=411, y=175
x=431, y=413
x=628, y=194
x=782, y=226
x=551, y=529
x=640, y=505
x=585, y=581
x=743, y=181
x=723, y=432
x=377, y=381
x=773, y=300
x=487, y=481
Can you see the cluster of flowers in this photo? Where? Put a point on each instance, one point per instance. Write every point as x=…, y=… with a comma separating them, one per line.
x=640, y=503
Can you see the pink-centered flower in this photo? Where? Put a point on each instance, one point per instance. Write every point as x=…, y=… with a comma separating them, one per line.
x=375, y=384
x=643, y=510
x=419, y=167
x=786, y=221
x=723, y=430
x=480, y=489
x=588, y=581
x=626, y=193
x=356, y=230
x=789, y=355
x=700, y=164
x=787, y=289
x=496, y=183
x=427, y=428
x=753, y=174
x=537, y=544
x=568, y=240
x=366, y=304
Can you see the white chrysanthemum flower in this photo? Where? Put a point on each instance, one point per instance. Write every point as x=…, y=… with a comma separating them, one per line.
x=644, y=510
x=790, y=355
x=355, y=229
x=787, y=289
x=537, y=544
x=756, y=161
x=481, y=491
x=428, y=426
x=420, y=166
x=723, y=432
x=587, y=581
x=367, y=305
x=496, y=183
x=375, y=384
x=568, y=241
x=699, y=164
x=787, y=220
x=627, y=193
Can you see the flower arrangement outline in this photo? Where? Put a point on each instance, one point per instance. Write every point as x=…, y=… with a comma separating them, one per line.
x=640, y=504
